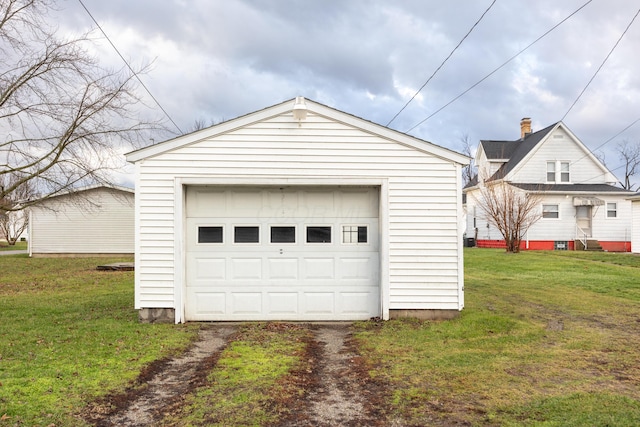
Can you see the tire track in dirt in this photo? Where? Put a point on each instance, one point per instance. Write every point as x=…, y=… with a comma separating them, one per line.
x=342, y=394
x=166, y=386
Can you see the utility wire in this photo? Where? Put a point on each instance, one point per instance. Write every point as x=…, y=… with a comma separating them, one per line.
x=605, y=143
x=500, y=67
x=602, y=65
x=443, y=62
x=615, y=136
x=129, y=66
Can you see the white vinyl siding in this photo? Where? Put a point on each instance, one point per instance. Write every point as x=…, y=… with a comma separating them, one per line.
x=96, y=221
x=581, y=167
x=564, y=227
x=423, y=200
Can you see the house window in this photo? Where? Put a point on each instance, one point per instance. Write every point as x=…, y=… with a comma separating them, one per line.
x=246, y=234
x=318, y=234
x=354, y=234
x=564, y=172
x=283, y=234
x=551, y=171
x=612, y=210
x=209, y=234
x=550, y=211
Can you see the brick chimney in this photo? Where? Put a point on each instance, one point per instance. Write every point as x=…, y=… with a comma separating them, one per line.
x=525, y=127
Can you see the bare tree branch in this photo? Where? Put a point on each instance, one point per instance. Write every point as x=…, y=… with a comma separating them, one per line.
x=63, y=118
x=511, y=210
x=468, y=172
x=629, y=153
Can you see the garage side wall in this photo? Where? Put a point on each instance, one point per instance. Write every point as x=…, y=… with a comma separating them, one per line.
x=99, y=221
x=422, y=211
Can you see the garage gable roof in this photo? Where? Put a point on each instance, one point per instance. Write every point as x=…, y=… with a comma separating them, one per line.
x=286, y=108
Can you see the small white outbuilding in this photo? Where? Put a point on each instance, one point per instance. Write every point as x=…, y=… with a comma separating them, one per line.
x=96, y=220
x=297, y=212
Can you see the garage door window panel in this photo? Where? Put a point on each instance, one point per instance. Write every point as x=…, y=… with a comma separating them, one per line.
x=319, y=234
x=246, y=234
x=354, y=234
x=210, y=234
x=283, y=234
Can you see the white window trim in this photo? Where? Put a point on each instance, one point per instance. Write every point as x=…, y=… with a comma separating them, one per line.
x=232, y=231
x=342, y=242
x=551, y=204
x=557, y=171
x=547, y=172
x=197, y=230
x=568, y=172
x=333, y=234
x=295, y=226
x=606, y=211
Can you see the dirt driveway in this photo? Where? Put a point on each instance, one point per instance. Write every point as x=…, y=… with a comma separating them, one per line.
x=339, y=393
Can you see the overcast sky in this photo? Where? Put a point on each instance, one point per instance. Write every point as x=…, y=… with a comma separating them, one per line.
x=214, y=60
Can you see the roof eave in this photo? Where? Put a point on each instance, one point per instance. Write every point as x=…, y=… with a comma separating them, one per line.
x=286, y=107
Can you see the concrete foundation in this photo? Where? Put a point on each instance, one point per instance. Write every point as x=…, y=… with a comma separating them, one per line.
x=157, y=315
x=424, y=314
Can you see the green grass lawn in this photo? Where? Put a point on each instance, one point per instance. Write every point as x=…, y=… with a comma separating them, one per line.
x=69, y=334
x=546, y=339
x=19, y=246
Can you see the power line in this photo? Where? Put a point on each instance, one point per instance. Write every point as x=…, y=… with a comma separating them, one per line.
x=617, y=134
x=605, y=143
x=602, y=65
x=443, y=62
x=129, y=66
x=500, y=67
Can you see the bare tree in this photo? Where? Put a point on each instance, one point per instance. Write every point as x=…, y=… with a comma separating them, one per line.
x=468, y=172
x=629, y=153
x=511, y=210
x=64, y=120
x=13, y=220
x=12, y=225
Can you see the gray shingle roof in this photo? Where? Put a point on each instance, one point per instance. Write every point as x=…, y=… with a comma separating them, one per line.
x=572, y=188
x=495, y=150
x=515, y=151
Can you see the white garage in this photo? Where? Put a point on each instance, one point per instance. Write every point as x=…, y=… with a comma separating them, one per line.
x=283, y=216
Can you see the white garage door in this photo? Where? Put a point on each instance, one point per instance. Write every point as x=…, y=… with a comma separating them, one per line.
x=282, y=253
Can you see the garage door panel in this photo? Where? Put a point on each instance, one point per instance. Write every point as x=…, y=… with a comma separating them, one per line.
x=283, y=268
x=245, y=268
x=210, y=268
x=318, y=268
x=207, y=302
x=357, y=268
x=290, y=279
x=359, y=303
x=318, y=303
x=283, y=303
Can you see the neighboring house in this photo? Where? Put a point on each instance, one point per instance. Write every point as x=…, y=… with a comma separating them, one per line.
x=96, y=220
x=581, y=206
x=635, y=227
x=297, y=212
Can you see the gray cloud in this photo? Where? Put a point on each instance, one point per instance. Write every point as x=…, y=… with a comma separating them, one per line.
x=215, y=60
